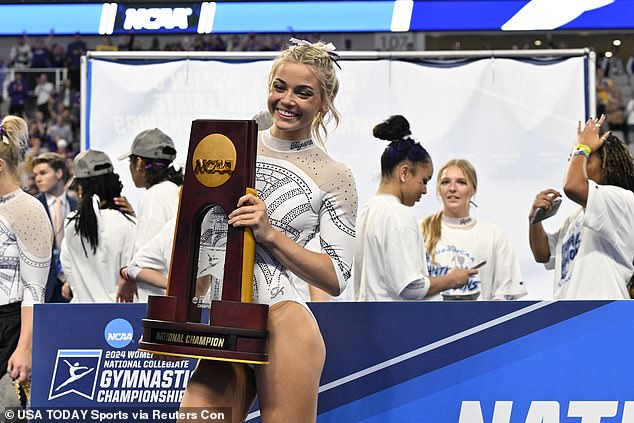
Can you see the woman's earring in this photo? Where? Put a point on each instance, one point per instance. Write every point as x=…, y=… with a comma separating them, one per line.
x=402, y=180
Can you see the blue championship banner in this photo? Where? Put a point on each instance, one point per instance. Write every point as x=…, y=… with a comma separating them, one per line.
x=85, y=358
x=466, y=362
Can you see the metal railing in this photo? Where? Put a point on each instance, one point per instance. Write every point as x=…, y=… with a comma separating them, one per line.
x=55, y=75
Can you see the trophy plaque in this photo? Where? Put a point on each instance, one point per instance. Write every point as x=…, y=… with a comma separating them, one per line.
x=221, y=169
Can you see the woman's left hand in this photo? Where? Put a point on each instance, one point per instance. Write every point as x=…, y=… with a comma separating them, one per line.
x=589, y=134
x=19, y=365
x=126, y=291
x=67, y=292
x=252, y=212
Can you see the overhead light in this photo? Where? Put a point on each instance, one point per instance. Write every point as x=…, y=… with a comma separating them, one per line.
x=616, y=43
x=608, y=54
x=538, y=43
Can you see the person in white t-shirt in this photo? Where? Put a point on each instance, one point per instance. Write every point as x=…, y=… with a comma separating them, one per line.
x=43, y=91
x=592, y=252
x=151, y=264
x=98, y=236
x=454, y=238
x=389, y=260
x=151, y=167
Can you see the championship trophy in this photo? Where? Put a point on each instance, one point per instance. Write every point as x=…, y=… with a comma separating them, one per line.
x=221, y=160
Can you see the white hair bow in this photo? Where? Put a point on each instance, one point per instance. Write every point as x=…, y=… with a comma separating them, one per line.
x=328, y=48
x=3, y=134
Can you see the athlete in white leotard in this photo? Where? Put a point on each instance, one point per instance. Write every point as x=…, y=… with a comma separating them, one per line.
x=26, y=242
x=301, y=193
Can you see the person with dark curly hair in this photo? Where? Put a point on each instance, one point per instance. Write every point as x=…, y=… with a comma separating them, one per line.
x=390, y=256
x=592, y=252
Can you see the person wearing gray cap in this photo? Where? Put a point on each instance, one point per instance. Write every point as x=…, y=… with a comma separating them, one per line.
x=151, y=157
x=99, y=235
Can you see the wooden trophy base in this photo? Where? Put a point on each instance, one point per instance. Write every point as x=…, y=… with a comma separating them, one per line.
x=236, y=332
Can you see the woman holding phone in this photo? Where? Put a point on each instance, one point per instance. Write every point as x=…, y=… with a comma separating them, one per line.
x=454, y=238
x=389, y=262
x=592, y=252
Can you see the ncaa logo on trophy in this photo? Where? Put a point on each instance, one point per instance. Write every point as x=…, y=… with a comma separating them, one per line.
x=211, y=259
x=214, y=160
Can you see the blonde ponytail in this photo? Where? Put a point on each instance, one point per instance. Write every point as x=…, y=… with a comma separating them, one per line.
x=14, y=140
x=431, y=227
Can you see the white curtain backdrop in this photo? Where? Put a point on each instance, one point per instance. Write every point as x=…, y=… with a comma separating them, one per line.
x=513, y=119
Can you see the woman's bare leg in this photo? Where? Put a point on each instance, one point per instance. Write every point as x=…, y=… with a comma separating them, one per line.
x=288, y=385
x=220, y=384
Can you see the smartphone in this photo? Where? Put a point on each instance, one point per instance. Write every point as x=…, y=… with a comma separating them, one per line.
x=541, y=214
x=460, y=297
x=479, y=265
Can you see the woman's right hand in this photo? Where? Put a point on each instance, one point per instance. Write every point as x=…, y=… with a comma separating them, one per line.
x=544, y=200
x=251, y=212
x=459, y=277
x=19, y=365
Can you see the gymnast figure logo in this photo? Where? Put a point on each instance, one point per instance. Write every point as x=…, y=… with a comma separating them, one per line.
x=75, y=372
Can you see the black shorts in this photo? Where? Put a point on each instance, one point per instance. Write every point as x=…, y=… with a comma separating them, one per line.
x=10, y=319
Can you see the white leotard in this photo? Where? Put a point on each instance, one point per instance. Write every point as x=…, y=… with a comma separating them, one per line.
x=26, y=242
x=307, y=194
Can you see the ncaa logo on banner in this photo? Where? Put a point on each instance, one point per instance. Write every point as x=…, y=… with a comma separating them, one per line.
x=118, y=333
x=75, y=372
